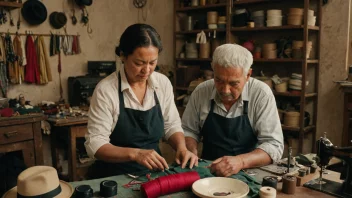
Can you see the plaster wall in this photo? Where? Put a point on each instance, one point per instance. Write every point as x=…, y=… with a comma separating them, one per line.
x=108, y=19
x=334, y=58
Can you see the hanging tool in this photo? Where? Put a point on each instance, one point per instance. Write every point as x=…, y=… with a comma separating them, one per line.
x=73, y=17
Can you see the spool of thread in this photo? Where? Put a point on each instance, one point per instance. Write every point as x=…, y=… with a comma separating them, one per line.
x=313, y=168
x=267, y=192
x=270, y=181
x=289, y=184
x=302, y=172
x=169, y=184
x=83, y=191
x=108, y=188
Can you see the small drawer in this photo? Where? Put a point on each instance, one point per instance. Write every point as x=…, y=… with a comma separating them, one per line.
x=10, y=134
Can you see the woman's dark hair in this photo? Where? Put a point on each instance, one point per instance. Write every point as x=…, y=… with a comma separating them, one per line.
x=138, y=35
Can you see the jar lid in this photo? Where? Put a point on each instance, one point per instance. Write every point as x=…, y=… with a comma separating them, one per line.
x=108, y=188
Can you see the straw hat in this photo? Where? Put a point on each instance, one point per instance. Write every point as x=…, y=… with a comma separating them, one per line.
x=40, y=181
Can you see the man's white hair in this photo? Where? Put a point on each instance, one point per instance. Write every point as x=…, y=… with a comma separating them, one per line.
x=232, y=55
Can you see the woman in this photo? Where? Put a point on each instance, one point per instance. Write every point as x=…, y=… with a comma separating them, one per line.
x=132, y=109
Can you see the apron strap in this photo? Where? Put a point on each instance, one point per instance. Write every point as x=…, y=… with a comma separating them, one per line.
x=245, y=107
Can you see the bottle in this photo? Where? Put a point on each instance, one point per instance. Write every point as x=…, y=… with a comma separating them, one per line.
x=350, y=73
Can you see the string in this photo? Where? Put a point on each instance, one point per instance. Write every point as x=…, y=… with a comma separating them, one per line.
x=169, y=184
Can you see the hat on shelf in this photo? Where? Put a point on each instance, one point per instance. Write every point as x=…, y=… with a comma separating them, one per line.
x=40, y=181
x=84, y=2
x=58, y=19
x=34, y=12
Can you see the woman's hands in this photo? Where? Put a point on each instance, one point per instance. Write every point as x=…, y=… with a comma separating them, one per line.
x=150, y=159
x=184, y=155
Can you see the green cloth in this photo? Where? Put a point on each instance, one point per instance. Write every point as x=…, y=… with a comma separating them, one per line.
x=204, y=172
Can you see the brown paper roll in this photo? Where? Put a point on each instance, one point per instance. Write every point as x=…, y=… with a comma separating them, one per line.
x=214, y=44
x=289, y=184
x=212, y=17
x=204, y=50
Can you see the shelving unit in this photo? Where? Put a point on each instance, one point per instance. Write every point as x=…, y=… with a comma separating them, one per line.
x=10, y=5
x=309, y=68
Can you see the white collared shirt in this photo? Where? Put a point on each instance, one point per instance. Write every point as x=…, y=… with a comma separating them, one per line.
x=262, y=114
x=104, y=107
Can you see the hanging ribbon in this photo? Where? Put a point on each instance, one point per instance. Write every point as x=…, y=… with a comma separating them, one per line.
x=32, y=73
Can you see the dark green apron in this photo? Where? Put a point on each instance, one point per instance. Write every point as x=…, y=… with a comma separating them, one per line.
x=227, y=136
x=134, y=129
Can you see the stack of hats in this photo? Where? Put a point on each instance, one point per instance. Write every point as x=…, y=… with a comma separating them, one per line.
x=191, y=50
x=212, y=19
x=274, y=18
x=258, y=17
x=222, y=22
x=295, y=83
x=269, y=51
x=297, y=49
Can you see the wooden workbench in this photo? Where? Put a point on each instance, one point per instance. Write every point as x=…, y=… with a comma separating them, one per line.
x=23, y=133
x=259, y=174
x=71, y=128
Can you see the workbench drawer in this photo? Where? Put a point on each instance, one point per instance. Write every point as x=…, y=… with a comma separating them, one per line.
x=16, y=133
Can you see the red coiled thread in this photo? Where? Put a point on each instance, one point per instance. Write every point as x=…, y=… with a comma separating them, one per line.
x=169, y=184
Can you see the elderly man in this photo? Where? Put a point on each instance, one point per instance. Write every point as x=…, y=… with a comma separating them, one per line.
x=236, y=116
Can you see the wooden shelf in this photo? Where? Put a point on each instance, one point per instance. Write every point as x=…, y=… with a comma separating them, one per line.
x=306, y=129
x=288, y=94
x=10, y=4
x=284, y=27
x=193, y=59
x=194, y=8
x=255, y=60
x=241, y=2
x=181, y=88
x=284, y=60
x=198, y=31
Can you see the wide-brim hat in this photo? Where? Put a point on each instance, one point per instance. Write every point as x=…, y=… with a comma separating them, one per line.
x=84, y=2
x=34, y=12
x=57, y=19
x=40, y=181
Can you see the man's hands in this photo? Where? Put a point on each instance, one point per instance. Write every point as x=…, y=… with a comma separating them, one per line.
x=226, y=166
x=150, y=159
x=184, y=155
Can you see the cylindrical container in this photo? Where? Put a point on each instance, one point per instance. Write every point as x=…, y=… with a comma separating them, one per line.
x=302, y=172
x=194, y=3
x=202, y=2
x=282, y=87
x=270, y=181
x=313, y=168
x=108, y=188
x=190, y=23
x=214, y=44
x=289, y=184
x=291, y=118
x=267, y=192
x=212, y=26
x=204, y=50
x=251, y=24
x=83, y=191
x=266, y=80
x=212, y=17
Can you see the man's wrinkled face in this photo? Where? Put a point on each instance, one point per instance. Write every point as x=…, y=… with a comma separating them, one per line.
x=229, y=82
